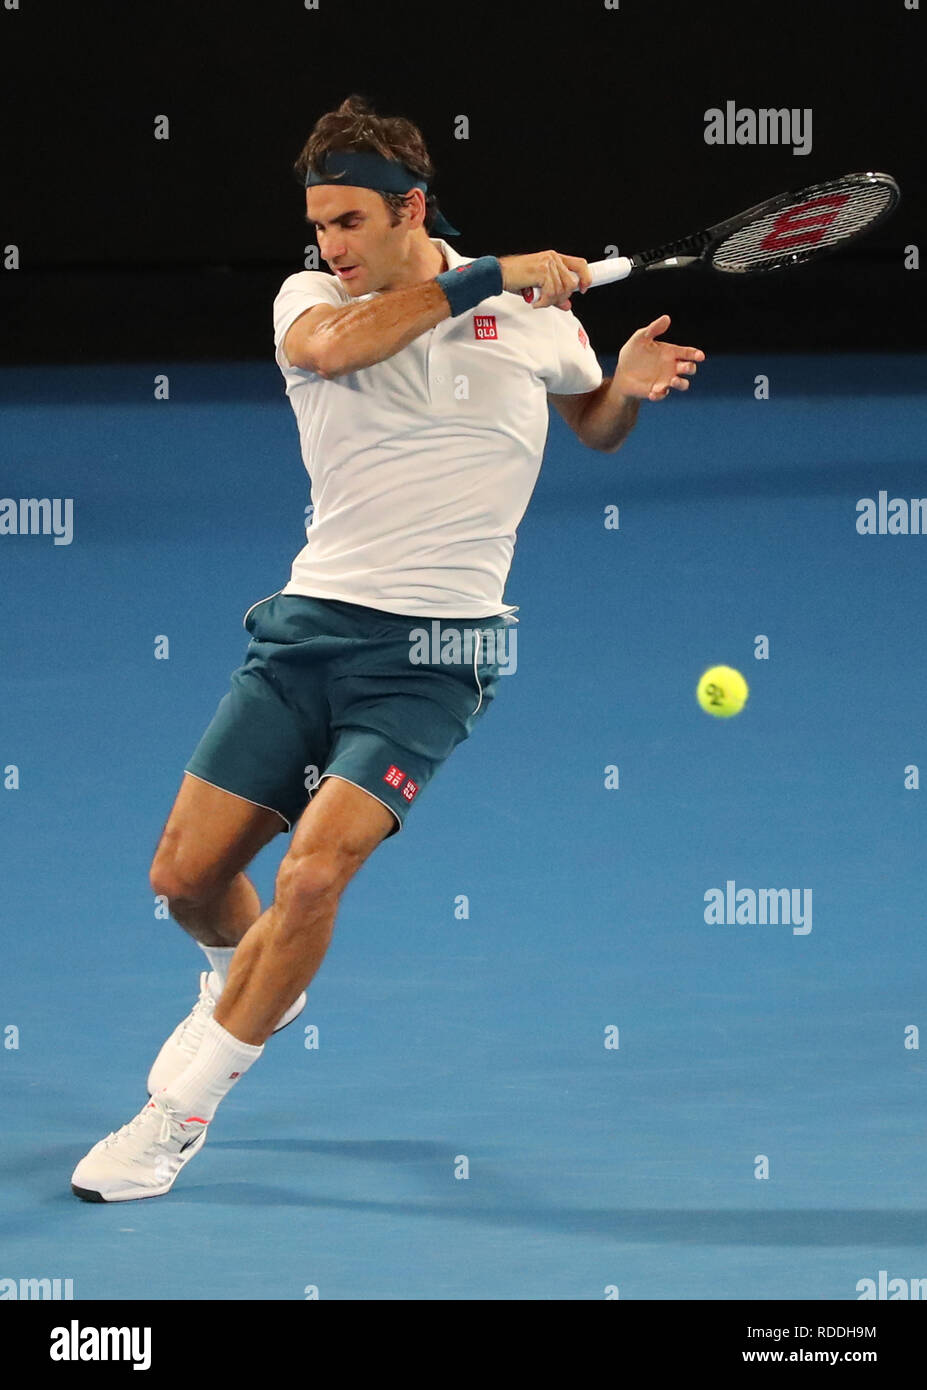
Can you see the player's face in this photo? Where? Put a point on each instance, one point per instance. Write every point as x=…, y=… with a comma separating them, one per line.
x=352, y=226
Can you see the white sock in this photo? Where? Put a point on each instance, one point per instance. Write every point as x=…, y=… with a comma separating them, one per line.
x=220, y=1061
x=220, y=958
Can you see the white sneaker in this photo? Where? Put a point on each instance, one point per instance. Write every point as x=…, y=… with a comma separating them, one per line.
x=140, y=1160
x=183, y=1044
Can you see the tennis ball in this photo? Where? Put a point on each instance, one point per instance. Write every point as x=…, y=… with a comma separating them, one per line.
x=722, y=691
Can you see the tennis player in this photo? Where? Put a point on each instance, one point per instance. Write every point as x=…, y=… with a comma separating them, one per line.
x=419, y=378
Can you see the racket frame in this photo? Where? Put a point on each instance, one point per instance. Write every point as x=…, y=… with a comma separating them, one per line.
x=699, y=246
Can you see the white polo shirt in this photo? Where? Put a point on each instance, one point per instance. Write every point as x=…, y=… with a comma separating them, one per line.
x=422, y=466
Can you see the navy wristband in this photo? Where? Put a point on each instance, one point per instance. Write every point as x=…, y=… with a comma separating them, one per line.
x=469, y=285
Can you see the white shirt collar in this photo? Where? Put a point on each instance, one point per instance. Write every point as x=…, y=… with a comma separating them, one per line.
x=453, y=257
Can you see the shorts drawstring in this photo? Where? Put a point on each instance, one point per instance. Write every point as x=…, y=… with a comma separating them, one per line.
x=476, y=653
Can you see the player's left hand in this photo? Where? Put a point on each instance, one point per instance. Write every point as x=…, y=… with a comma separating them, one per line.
x=650, y=370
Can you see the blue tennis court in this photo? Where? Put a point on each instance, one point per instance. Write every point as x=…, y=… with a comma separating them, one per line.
x=540, y=1072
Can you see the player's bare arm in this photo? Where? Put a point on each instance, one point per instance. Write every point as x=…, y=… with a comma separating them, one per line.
x=646, y=370
x=600, y=419
x=335, y=341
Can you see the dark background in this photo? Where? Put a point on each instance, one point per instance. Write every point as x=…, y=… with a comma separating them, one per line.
x=586, y=129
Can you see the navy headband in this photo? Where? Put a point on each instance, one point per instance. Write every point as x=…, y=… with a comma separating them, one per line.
x=366, y=169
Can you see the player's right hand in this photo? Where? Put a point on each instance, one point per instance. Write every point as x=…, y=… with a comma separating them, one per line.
x=555, y=275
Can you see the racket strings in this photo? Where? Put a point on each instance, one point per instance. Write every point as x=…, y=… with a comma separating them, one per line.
x=802, y=230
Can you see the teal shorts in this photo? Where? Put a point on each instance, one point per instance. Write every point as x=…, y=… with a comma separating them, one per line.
x=332, y=689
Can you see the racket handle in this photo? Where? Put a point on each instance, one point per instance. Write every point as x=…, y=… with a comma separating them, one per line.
x=612, y=268
x=602, y=272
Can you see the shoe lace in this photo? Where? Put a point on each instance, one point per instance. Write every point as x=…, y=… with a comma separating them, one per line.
x=130, y=1130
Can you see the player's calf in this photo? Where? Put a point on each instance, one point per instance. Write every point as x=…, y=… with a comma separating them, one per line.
x=282, y=952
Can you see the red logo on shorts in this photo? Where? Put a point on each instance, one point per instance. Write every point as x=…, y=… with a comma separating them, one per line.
x=394, y=776
x=409, y=790
x=484, y=326
x=584, y=337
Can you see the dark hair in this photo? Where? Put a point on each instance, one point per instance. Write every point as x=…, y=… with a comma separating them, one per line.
x=356, y=126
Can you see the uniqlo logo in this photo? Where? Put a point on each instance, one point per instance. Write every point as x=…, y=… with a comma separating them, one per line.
x=484, y=326
x=394, y=776
x=409, y=790
x=584, y=337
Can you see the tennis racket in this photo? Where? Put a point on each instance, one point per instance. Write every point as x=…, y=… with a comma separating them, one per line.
x=782, y=232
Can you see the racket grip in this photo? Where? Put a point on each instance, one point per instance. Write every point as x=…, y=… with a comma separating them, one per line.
x=602, y=273
x=611, y=269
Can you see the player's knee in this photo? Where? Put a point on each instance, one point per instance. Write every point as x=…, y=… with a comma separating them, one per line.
x=180, y=882
x=306, y=880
